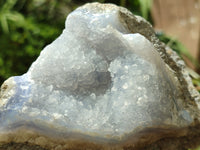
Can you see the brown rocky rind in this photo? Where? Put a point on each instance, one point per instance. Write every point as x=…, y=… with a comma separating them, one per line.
x=149, y=139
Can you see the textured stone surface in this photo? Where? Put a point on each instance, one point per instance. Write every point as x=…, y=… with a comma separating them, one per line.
x=105, y=82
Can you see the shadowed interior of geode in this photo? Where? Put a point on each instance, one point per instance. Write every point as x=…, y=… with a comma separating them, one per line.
x=97, y=80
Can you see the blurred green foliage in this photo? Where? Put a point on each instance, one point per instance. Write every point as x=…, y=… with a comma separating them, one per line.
x=26, y=26
x=24, y=30
x=195, y=148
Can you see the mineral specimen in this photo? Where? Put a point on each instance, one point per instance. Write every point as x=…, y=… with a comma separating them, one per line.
x=103, y=82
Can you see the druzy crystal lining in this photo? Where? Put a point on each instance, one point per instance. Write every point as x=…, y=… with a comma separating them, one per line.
x=96, y=78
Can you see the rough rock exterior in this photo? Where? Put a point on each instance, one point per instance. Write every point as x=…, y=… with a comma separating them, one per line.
x=174, y=118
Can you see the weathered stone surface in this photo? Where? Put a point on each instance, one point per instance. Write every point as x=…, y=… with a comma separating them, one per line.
x=106, y=83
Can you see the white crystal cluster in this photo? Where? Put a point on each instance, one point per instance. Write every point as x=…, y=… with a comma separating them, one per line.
x=96, y=77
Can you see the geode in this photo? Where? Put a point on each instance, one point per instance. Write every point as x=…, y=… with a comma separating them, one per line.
x=106, y=82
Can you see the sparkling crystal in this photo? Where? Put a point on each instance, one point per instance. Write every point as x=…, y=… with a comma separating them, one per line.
x=96, y=78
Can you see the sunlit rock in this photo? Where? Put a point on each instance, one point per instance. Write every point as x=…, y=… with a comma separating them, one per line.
x=104, y=81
